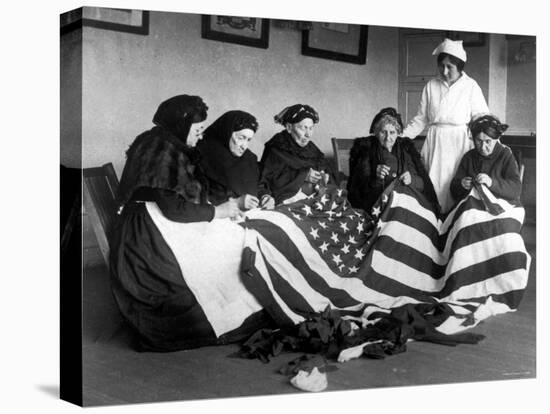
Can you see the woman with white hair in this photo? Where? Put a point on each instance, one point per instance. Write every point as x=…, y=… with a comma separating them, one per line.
x=448, y=103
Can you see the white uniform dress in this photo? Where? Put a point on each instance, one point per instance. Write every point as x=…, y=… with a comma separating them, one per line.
x=446, y=111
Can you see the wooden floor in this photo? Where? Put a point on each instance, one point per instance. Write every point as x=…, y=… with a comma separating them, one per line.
x=115, y=374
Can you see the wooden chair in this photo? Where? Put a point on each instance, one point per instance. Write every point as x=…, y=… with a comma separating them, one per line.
x=342, y=148
x=100, y=189
x=521, y=165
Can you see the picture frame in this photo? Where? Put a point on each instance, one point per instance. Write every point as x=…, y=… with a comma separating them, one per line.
x=121, y=20
x=335, y=41
x=247, y=31
x=469, y=39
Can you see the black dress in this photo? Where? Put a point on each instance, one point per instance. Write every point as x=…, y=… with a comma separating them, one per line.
x=364, y=187
x=285, y=165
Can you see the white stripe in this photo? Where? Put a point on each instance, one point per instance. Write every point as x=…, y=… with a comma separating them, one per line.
x=484, y=250
x=497, y=285
x=413, y=238
x=209, y=256
x=404, y=274
x=450, y=217
x=411, y=203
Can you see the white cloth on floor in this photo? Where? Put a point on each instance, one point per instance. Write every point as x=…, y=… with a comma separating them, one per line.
x=355, y=351
x=314, y=381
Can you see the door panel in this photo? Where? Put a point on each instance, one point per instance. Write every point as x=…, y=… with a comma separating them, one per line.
x=417, y=65
x=409, y=98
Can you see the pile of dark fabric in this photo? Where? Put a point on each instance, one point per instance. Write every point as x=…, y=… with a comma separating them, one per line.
x=326, y=334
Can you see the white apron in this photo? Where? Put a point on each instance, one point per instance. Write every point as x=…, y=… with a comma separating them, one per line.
x=441, y=153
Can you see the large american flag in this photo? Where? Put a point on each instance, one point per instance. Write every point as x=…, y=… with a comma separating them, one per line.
x=320, y=252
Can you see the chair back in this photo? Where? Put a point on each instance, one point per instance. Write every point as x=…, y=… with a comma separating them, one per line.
x=519, y=160
x=342, y=148
x=100, y=190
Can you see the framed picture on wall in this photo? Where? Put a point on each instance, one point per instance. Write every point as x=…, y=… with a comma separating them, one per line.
x=344, y=42
x=469, y=39
x=248, y=31
x=122, y=20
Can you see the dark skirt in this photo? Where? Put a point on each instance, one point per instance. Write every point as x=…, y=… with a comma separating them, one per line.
x=152, y=294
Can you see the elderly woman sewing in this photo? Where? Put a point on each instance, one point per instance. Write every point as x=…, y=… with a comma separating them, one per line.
x=231, y=169
x=490, y=163
x=292, y=165
x=376, y=160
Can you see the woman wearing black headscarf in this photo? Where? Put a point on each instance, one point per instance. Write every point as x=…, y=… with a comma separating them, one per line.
x=490, y=163
x=291, y=164
x=147, y=282
x=375, y=161
x=231, y=169
x=161, y=164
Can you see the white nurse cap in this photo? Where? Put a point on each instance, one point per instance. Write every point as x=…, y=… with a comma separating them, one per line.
x=451, y=47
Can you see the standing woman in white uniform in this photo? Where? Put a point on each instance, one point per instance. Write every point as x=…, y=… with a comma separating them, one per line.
x=447, y=105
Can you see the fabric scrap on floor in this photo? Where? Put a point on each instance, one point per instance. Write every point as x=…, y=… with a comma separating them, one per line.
x=313, y=381
x=327, y=334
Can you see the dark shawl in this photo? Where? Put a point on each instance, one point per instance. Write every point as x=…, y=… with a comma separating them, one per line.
x=227, y=174
x=366, y=154
x=284, y=166
x=159, y=158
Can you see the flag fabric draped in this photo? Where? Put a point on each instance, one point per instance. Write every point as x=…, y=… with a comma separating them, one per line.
x=320, y=252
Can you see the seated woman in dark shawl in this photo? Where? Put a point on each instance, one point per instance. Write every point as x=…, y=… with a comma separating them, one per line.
x=490, y=163
x=231, y=169
x=291, y=164
x=146, y=280
x=376, y=160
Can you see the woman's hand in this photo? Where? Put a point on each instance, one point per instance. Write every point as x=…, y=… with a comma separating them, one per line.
x=313, y=176
x=482, y=178
x=466, y=183
x=382, y=171
x=406, y=178
x=267, y=202
x=228, y=209
x=247, y=201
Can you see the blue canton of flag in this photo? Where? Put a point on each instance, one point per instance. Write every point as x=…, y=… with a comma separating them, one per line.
x=341, y=234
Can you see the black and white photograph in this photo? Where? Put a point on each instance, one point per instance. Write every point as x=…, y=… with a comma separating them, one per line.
x=288, y=207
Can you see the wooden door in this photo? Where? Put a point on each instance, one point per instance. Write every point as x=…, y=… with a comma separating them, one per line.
x=416, y=67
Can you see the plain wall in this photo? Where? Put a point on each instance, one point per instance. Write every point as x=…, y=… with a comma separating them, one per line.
x=477, y=66
x=126, y=76
x=70, y=101
x=521, y=86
